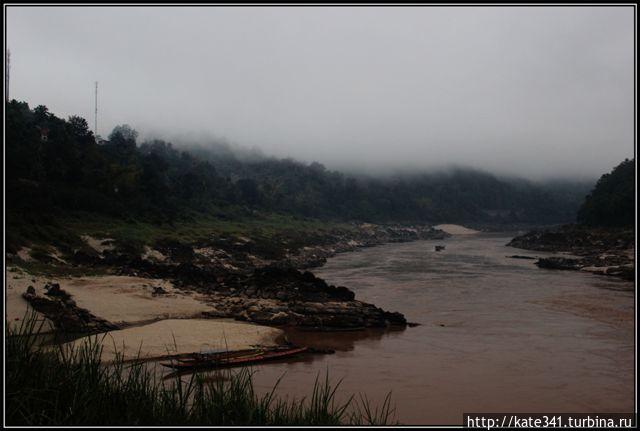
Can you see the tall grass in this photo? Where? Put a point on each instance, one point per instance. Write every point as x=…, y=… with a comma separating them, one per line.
x=71, y=386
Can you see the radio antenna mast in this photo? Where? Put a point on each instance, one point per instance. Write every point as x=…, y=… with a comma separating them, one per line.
x=7, y=71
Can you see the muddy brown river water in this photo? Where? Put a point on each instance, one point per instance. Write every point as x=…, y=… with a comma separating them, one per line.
x=497, y=334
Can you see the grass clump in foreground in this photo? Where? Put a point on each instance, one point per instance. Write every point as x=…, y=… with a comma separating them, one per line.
x=71, y=386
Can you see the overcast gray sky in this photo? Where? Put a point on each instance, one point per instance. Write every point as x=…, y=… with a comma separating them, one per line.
x=537, y=92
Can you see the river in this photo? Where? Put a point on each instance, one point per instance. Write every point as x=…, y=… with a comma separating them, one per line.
x=497, y=334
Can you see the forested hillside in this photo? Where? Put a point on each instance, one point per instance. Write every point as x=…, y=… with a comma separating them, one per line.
x=56, y=166
x=612, y=201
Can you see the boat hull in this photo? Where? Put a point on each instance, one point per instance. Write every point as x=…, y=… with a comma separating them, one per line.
x=231, y=361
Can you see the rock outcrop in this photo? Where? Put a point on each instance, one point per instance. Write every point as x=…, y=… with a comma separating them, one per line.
x=58, y=306
x=600, y=251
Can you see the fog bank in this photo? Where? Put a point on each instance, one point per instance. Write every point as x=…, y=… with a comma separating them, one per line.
x=530, y=91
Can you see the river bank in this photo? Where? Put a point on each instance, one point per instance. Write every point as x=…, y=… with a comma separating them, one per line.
x=600, y=251
x=225, y=277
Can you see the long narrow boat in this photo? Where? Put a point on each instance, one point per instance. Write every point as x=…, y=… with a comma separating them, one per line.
x=233, y=361
x=217, y=356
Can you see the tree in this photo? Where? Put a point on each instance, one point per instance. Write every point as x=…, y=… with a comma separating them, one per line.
x=122, y=143
x=249, y=191
x=612, y=201
x=41, y=113
x=79, y=127
x=123, y=132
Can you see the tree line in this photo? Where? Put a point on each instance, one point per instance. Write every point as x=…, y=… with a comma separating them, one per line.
x=55, y=165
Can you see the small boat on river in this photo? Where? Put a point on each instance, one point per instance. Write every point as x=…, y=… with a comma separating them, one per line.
x=233, y=358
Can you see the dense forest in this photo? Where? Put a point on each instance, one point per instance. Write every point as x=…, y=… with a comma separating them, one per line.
x=55, y=166
x=612, y=201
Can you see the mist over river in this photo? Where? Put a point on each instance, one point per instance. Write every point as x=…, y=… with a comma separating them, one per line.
x=497, y=334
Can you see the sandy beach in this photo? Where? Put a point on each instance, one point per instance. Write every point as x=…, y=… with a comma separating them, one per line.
x=456, y=229
x=179, y=336
x=175, y=326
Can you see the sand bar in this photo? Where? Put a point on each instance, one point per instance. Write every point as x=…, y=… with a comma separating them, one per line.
x=118, y=299
x=456, y=229
x=178, y=336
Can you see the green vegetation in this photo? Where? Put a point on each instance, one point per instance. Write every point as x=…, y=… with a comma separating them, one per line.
x=48, y=269
x=58, y=176
x=70, y=386
x=612, y=202
x=193, y=227
x=265, y=229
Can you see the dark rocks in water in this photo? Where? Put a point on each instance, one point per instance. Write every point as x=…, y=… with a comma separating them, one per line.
x=439, y=247
x=602, y=251
x=575, y=239
x=345, y=315
x=337, y=320
x=326, y=316
x=516, y=256
x=558, y=263
x=612, y=266
x=393, y=318
x=626, y=272
x=605, y=266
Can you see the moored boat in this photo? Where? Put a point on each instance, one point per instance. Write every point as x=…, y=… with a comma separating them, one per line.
x=232, y=359
x=217, y=356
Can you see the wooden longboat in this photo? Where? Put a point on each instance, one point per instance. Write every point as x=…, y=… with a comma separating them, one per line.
x=218, y=356
x=233, y=361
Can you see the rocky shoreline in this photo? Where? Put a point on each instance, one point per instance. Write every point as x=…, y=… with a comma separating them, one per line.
x=246, y=279
x=600, y=251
